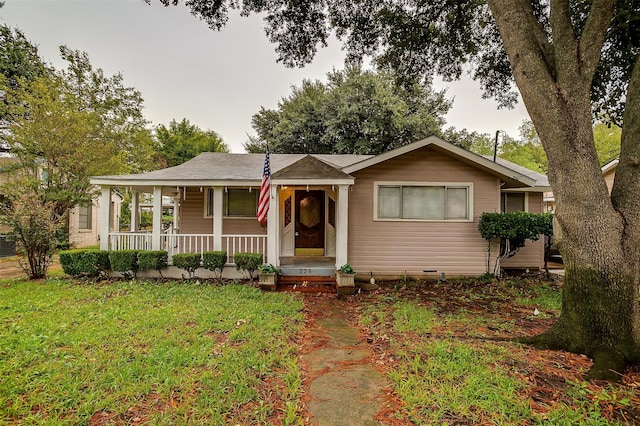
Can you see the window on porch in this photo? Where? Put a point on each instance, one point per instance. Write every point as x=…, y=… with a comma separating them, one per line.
x=237, y=202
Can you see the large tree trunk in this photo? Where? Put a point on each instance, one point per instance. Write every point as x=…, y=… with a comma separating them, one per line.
x=600, y=235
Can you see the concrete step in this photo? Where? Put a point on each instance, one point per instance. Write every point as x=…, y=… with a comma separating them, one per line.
x=324, y=271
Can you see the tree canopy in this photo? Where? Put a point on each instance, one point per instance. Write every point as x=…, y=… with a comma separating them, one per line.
x=182, y=141
x=571, y=61
x=19, y=58
x=355, y=111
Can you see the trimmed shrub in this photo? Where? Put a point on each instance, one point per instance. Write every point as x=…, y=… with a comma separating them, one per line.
x=190, y=262
x=84, y=262
x=248, y=263
x=152, y=259
x=214, y=261
x=125, y=262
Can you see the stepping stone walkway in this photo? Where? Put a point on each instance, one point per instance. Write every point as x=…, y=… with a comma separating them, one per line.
x=342, y=385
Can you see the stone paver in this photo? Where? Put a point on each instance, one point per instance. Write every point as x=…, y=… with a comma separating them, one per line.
x=345, y=389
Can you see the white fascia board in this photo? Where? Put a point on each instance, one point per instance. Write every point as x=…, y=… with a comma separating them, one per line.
x=529, y=189
x=292, y=182
x=447, y=146
x=175, y=183
x=610, y=165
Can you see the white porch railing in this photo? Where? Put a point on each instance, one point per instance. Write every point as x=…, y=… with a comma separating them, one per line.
x=233, y=244
x=130, y=241
x=189, y=243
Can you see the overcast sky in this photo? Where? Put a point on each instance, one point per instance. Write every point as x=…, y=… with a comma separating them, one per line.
x=217, y=80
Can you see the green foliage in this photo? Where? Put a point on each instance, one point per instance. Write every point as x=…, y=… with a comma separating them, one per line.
x=85, y=262
x=247, y=263
x=214, y=260
x=607, y=138
x=346, y=269
x=125, y=262
x=81, y=350
x=182, y=141
x=152, y=260
x=355, y=111
x=190, y=262
x=267, y=269
x=515, y=228
x=526, y=151
x=480, y=143
x=19, y=58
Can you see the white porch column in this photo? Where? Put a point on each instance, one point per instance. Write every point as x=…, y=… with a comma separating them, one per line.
x=105, y=217
x=156, y=231
x=135, y=211
x=272, y=228
x=342, y=225
x=217, y=218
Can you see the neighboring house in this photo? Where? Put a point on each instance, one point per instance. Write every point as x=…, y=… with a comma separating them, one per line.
x=609, y=173
x=84, y=221
x=412, y=211
x=7, y=248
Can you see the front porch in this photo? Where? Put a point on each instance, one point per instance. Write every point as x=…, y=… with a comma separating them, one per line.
x=213, y=199
x=305, y=229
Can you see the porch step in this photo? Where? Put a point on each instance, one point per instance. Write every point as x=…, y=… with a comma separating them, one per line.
x=307, y=283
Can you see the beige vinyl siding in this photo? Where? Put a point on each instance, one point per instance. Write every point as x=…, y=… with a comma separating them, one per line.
x=531, y=256
x=192, y=220
x=399, y=247
x=609, y=178
x=243, y=226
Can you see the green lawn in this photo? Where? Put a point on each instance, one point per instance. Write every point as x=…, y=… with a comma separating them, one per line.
x=451, y=358
x=175, y=353
x=168, y=353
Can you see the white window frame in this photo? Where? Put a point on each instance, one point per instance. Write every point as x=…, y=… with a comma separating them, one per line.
x=467, y=185
x=208, y=199
x=88, y=215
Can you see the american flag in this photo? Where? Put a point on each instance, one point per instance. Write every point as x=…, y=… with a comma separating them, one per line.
x=265, y=189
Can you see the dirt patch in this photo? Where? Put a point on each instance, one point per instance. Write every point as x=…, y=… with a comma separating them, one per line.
x=10, y=268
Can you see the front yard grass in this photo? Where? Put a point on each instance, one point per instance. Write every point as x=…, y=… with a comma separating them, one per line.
x=177, y=353
x=142, y=352
x=449, y=353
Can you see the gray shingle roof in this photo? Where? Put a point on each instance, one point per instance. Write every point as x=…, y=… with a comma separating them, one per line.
x=239, y=167
x=541, y=180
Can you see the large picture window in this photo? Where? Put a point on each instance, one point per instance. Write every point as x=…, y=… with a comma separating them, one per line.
x=409, y=201
x=237, y=202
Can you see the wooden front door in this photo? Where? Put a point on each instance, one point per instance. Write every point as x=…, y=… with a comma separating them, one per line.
x=309, y=230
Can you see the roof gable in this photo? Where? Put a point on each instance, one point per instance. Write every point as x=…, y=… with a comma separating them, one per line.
x=509, y=175
x=309, y=167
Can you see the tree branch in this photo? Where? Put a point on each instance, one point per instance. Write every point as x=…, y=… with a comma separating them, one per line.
x=564, y=40
x=593, y=35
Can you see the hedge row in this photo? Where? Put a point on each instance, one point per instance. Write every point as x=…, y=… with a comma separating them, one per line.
x=92, y=263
